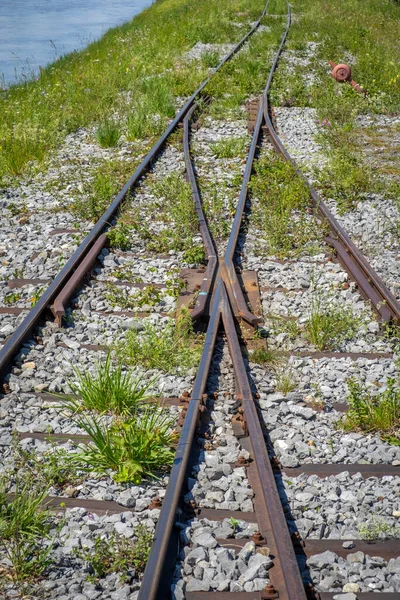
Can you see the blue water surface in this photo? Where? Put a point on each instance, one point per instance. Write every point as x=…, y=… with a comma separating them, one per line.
x=36, y=32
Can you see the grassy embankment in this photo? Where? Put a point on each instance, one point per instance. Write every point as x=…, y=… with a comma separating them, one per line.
x=125, y=83
x=363, y=34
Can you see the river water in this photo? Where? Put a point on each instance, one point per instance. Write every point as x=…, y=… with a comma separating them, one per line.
x=36, y=32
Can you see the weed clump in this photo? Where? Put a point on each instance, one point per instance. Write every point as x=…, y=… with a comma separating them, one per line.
x=194, y=255
x=108, y=134
x=147, y=297
x=219, y=205
x=109, y=390
x=285, y=380
x=133, y=448
x=330, y=322
x=282, y=200
x=210, y=59
x=175, y=346
x=140, y=124
x=344, y=178
x=378, y=529
x=265, y=356
x=119, y=236
x=118, y=554
x=229, y=148
x=371, y=413
x=174, y=205
x=48, y=469
x=25, y=527
x=106, y=180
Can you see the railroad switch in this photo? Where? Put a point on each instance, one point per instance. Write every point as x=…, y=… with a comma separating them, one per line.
x=342, y=73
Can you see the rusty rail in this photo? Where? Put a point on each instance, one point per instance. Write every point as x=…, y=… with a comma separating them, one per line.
x=229, y=272
x=159, y=566
x=285, y=574
x=60, y=302
x=211, y=252
x=369, y=283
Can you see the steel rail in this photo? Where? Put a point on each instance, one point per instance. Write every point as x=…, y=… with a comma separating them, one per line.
x=230, y=278
x=285, y=574
x=228, y=268
x=58, y=308
x=211, y=252
x=153, y=583
x=25, y=329
x=369, y=282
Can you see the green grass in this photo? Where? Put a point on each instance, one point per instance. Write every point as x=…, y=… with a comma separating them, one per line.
x=24, y=532
x=133, y=448
x=330, y=322
x=119, y=236
x=285, y=380
x=247, y=73
x=108, y=133
x=210, y=60
x=278, y=324
x=173, y=348
x=146, y=298
x=344, y=178
x=347, y=177
x=378, y=528
x=142, y=124
x=230, y=148
x=49, y=468
x=369, y=413
x=105, y=180
x=118, y=554
x=138, y=68
x=219, y=204
x=174, y=205
x=195, y=255
x=370, y=36
x=369, y=44
x=282, y=199
x=264, y=356
x=109, y=390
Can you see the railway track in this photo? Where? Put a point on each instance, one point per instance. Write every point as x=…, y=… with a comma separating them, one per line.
x=222, y=301
x=228, y=302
